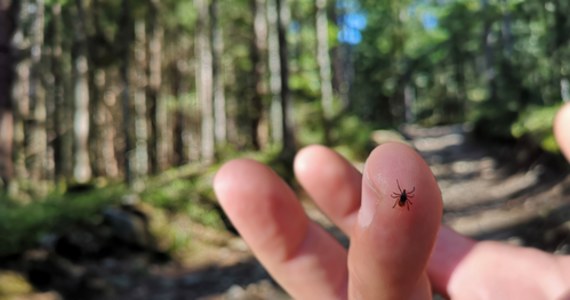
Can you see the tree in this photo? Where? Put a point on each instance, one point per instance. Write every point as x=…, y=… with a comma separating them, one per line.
x=220, y=117
x=82, y=164
x=37, y=145
x=21, y=95
x=323, y=58
x=289, y=144
x=125, y=35
x=157, y=106
x=204, y=87
x=140, y=103
x=274, y=65
x=257, y=50
x=7, y=18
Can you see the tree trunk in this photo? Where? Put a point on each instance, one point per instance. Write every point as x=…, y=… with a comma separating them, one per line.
x=178, y=134
x=220, y=116
x=489, y=67
x=21, y=96
x=561, y=38
x=62, y=142
x=276, y=115
x=323, y=59
x=82, y=167
x=342, y=63
x=289, y=146
x=257, y=48
x=106, y=107
x=125, y=38
x=37, y=146
x=204, y=80
x=7, y=26
x=141, y=131
x=507, y=30
x=157, y=107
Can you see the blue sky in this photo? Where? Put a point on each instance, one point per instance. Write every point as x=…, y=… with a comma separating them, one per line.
x=351, y=24
x=353, y=21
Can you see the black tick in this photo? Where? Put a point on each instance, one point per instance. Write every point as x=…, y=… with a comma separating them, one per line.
x=404, y=197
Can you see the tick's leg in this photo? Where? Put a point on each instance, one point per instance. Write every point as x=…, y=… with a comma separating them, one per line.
x=412, y=191
x=399, y=185
x=394, y=195
x=395, y=203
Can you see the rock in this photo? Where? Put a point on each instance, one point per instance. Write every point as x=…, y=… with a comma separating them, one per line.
x=235, y=292
x=128, y=225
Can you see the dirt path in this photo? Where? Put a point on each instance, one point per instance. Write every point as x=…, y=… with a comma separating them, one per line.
x=484, y=199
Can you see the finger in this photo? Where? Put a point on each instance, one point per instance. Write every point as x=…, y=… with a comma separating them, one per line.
x=390, y=246
x=332, y=182
x=449, y=250
x=300, y=255
x=562, y=129
x=462, y=268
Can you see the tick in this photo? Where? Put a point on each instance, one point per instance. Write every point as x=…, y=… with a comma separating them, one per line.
x=404, y=197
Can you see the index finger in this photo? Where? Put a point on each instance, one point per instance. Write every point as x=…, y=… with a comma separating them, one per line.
x=332, y=182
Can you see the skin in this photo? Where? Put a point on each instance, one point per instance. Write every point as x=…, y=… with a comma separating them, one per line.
x=394, y=253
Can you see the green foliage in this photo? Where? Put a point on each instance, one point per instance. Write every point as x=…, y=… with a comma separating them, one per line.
x=352, y=138
x=23, y=225
x=311, y=129
x=480, y=63
x=536, y=123
x=191, y=196
x=173, y=196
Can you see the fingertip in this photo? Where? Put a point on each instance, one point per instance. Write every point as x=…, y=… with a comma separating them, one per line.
x=303, y=159
x=230, y=174
x=300, y=255
x=393, y=168
x=395, y=237
x=331, y=181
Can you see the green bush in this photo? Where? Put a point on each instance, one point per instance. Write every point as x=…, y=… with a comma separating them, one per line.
x=536, y=123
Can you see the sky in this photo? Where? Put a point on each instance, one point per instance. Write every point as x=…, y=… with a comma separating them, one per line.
x=353, y=21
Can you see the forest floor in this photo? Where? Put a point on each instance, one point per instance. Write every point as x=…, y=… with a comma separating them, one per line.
x=485, y=196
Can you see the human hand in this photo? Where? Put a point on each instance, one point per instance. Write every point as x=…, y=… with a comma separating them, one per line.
x=389, y=254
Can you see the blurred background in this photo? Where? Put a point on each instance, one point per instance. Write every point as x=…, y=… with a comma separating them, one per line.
x=115, y=115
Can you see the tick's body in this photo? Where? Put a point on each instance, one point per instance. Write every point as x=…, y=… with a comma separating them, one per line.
x=404, y=197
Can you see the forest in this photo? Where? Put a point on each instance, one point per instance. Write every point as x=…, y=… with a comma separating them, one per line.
x=128, y=107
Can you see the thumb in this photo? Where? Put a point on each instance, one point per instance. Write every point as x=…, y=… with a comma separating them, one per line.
x=396, y=228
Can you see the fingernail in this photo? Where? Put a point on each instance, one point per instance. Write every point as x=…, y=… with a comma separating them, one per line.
x=369, y=202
